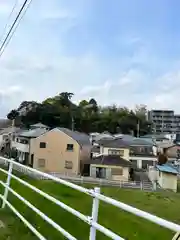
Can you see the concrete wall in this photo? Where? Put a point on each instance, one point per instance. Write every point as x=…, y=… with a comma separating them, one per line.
x=168, y=181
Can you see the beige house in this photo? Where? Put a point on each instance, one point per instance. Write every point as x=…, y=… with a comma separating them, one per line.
x=115, y=147
x=59, y=150
x=110, y=167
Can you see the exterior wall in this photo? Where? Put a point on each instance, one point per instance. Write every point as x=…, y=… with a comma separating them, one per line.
x=141, y=161
x=20, y=146
x=172, y=152
x=55, y=153
x=105, y=151
x=124, y=176
x=85, y=152
x=168, y=181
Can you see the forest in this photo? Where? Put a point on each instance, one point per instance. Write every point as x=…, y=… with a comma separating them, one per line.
x=86, y=116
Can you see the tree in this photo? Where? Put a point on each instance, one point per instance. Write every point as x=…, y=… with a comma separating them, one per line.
x=87, y=116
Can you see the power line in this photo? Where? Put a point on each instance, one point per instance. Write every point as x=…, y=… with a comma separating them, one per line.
x=8, y=19
x=14, y=26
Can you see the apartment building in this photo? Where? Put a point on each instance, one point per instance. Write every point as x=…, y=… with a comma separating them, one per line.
x=164, y=121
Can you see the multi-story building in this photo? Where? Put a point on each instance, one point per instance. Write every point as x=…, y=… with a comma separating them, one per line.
x=164, y=121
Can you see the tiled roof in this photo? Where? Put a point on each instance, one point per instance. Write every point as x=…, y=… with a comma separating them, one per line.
x=114, y=143
x=33, y=133
x=111, y=160
x=167, y=168
x=81, y=138
x=9, y=130
x=39, y=125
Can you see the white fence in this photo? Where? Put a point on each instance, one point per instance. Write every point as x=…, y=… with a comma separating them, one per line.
x=142, y=185
x=92, y=220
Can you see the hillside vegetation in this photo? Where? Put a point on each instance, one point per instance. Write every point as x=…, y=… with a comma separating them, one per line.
x=165, y=205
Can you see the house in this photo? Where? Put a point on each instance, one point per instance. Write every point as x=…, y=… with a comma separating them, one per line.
x=112, y=167
x=172, y=151
x=59, y=150
x=165, y=175
x=22, y=142
x=114, y=147
x=95, y=151
x=39, y=125
x=101, y=137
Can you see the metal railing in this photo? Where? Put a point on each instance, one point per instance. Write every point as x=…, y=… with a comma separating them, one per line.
x=92, y=220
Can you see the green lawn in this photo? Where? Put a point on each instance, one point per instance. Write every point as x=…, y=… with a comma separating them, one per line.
x=166, y=205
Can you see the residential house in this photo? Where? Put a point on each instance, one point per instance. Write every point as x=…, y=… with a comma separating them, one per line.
x=114, y=147
x=142, y=152
x=165, y=175
x=101, y=137
x=110, y=167
x=172, y=151
x=22, y=142
x=60, y=150
x=39, y=125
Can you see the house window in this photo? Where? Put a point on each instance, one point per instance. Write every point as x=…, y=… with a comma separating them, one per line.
x=116, y=152
x=41, y=162
x=42, y=145
x=68, y=164
x=70, y=147
x=117, y=171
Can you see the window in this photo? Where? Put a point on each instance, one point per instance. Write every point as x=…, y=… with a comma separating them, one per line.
x=42, y=145
x=116, y=152
x=70, y=147
x=41, y=162
x=68, y=164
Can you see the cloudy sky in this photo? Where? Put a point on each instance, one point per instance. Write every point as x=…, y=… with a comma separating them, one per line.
x=124, y=52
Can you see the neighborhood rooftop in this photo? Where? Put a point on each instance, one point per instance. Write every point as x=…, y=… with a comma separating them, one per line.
x=81, y=138
x=33, y=133
x=167, y=168
x=111, y=160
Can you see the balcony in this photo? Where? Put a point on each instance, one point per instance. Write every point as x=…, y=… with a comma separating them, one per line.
x=20, y=146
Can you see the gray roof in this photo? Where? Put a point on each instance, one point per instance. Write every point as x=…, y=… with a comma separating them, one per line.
x=114, y=143
x=111, y=160
x=141, y=142
x=39, y=125
x=81, y=138
x=9, y=130
x=33, y=133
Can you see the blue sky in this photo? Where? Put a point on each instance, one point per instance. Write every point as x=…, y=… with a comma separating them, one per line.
x=122, y=52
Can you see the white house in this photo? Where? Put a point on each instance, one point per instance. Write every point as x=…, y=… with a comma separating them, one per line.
x=165, y=175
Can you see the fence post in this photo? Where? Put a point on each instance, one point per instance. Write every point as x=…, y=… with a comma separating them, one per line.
x=7, y=183
x=94, y=217
x=141, y=184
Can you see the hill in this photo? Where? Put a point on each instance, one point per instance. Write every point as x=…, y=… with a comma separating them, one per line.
x=126, y=225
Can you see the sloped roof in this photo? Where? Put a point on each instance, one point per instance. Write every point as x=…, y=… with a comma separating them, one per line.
x=103, y=136
x=111, y=160
x=141, y=142
x=167, y=168
x=114, y=143
x=9, y=130
x=33, y=133
x=81, y=138
x=39, y=125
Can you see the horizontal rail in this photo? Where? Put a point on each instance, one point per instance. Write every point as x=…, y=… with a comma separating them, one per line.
x=157, y=220
x=46, y=175
x=81, y=216
x=162, y=222
x=29, y=225
x=41, y=214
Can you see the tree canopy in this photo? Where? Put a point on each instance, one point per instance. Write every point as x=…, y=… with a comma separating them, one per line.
x=87, y=116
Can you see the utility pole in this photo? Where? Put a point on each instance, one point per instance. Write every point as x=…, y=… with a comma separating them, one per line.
x=138, y=128
x=72, y=123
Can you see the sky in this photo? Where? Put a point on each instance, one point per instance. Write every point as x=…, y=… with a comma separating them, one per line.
x=118, y=52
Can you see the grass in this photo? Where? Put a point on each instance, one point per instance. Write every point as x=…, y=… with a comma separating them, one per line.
x=128, y=226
